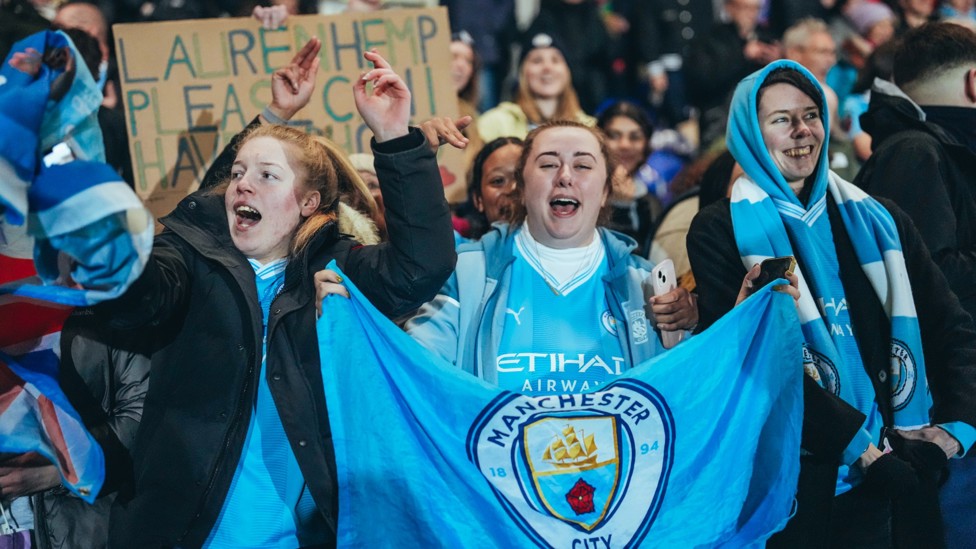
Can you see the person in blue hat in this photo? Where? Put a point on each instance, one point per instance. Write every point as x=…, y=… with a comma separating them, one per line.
x=888, y=349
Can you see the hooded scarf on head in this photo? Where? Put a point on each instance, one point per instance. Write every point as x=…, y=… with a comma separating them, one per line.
x=770, y=221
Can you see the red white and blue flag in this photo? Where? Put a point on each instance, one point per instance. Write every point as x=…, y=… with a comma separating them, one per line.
x=71, y=234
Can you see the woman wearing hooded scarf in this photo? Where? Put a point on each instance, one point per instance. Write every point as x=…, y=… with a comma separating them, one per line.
x=885, y=338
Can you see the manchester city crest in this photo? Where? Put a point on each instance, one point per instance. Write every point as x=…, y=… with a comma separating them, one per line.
x=821, y=369
x=904, y=374
x=575, y=470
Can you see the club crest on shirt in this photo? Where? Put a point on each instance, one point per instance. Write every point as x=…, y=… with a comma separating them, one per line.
x=638, y=326
x=904, y=374
x=609, y=323
x=821, y=369
x=577, y=470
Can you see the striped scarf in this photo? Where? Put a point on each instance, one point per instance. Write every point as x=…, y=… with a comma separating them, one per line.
x=770, y=221
x=70, y=234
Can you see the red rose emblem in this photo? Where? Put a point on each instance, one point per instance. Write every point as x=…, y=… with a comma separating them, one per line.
x=580, y=497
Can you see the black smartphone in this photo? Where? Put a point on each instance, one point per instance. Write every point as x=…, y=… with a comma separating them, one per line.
x=773, y=268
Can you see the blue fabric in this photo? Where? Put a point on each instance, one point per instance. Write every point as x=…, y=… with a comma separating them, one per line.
x=769, y=221
x=32, y=123
x=677, y=452
x=35, y=416
x=557, y=343
x=82, y=209
x=463, y=323
x=262, y=505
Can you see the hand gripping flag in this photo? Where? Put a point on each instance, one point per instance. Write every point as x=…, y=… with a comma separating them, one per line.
x=71, y=233
x=697, y=447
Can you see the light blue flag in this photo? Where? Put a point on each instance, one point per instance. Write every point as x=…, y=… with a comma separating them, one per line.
x=698, y=447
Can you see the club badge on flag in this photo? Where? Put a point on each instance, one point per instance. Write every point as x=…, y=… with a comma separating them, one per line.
x=697, y=447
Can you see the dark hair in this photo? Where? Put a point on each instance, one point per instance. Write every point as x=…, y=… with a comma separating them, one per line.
x=631, y=111
x=479, y=222
x=793, y=77
x=518, y=210
x=714, y=184
x=88, y=47
x=932, y=48
x=878, y=65
x=478, y=165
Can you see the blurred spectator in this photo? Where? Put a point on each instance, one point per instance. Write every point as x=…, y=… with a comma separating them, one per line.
x=545, y=92
x=585, y=43
x=633, y=210
x=924, y=159
x=809, y=43
x=491, y=24
x=785, y=14
x=664, y=31
x=465, y=73
x=958, y=9
x=168, y=10
x=363, y=163
x=873, y=24
x=90, y=18
x=914, y=13
x=111, y=121
x=729, y=52
x=491, y=184
x=18, y=19
x=879, y=65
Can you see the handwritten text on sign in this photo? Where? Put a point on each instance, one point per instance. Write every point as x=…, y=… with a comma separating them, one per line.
x=189, y=86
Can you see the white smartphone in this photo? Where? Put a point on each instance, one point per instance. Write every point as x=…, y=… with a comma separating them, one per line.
x=662, y=281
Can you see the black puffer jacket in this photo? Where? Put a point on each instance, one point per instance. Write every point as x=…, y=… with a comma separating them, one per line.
x=105, y=375
x=930, y=175
x=198, y=294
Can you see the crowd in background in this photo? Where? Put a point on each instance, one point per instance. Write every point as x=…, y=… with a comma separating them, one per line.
x=657, y=78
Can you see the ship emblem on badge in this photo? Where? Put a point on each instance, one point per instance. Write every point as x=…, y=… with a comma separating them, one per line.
x=577, y=467
x=821, y=369
x=903, y=374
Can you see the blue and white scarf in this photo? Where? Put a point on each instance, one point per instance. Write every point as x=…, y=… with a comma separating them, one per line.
x=78, y=209
x=767, y=215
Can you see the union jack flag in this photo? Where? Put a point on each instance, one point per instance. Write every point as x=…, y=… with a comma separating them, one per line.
x=71, y=234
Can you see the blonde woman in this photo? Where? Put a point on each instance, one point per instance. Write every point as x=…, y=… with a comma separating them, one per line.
x=545, y=93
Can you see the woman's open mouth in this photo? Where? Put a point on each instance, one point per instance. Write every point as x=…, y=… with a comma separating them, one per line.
x=799, y=151
x=564, y=206
x=246, y=216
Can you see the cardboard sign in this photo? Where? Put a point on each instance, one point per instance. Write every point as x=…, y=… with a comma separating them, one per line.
x=189, y=86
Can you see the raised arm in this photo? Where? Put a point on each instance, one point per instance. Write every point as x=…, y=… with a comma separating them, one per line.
x=291, y=89
x=400, y=275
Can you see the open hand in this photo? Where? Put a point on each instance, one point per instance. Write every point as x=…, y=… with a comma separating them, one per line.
x=387, y=109
x=443, y=130
x=271, y=17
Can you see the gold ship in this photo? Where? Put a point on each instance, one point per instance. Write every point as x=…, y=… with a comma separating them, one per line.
x=571, y=449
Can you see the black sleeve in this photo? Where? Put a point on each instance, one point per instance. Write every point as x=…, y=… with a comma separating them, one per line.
x=948, y=335
x=402, y=274
x=714, y=66
x=829, y=423
x=910, y=170
x=105, y=376
x=715, y=262
x=157, y=294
